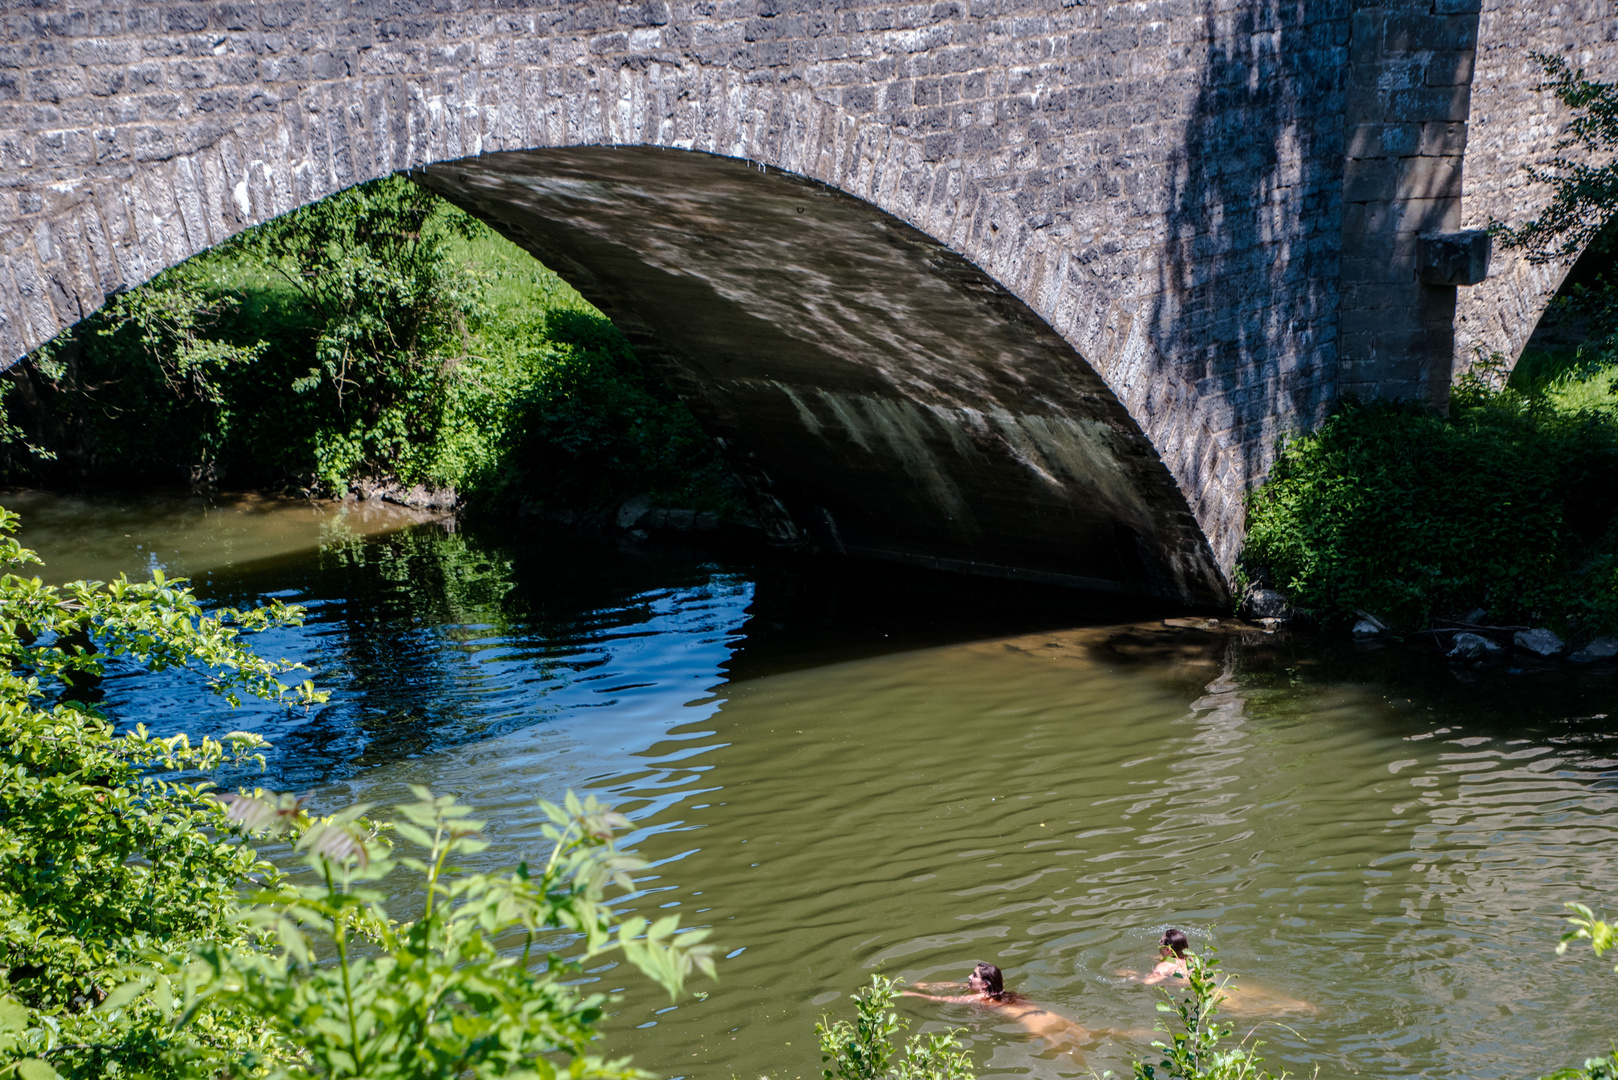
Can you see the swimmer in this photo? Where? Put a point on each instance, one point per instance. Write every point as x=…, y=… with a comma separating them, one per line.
x=1170, y=959
x=988, y=990
x=1171, y=965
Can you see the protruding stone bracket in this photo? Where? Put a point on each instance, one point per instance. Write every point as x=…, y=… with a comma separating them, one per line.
x=1457, y=258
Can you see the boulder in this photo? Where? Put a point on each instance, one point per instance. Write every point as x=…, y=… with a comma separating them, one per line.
x=1375, y=623
x=1366, y=628
x=632, y=510
x=1602, y=648
x=681, y=520
x=1540, y=642
x=1472, y=647
x=1266, y=604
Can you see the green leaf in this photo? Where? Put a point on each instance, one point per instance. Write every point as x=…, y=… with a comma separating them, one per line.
x=35, y=1069
x=122, y=995
x=13, y=1015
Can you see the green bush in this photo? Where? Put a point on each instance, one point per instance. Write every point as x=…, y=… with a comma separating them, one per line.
x=105, y=862
x=1196, y=1048
x=864, y=1049
x=127, y=947
x=1601, y=936
x=1510, y=504
x=354, y=993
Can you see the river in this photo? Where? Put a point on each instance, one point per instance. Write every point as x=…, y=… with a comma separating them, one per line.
x=846, y=769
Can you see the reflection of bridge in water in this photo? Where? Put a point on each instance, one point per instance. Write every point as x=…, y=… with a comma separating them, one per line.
x=1006, y=286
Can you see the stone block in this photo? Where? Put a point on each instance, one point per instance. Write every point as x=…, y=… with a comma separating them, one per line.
x=1540, y=642
x=1370, y=180
x=1460, y=258
x=1430, y=178
x=1449, y=68
x=1442, y=137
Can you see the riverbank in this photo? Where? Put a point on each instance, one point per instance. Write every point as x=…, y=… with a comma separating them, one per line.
x=1498, y=519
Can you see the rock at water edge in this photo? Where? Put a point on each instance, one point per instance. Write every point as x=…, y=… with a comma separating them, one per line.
x=1539, y=642
x=1602, y=648
x=1266, y=604
x=633, y=509
x=1472, y=647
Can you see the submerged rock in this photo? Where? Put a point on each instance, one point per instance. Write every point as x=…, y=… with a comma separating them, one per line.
x=1540, y=642
x=1602, y=648
x=1472, y=647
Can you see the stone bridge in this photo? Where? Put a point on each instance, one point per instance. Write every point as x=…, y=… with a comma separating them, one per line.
x=1028, y=287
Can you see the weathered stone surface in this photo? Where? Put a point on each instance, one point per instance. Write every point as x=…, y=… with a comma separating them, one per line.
x=1365, y=628
x=1460, y=258
x=1605, y=648
x=1512, y=124
x=1540, y=642
x=1472, y=647
x=1215, y=206
x=632, y=510
x=1266, y=604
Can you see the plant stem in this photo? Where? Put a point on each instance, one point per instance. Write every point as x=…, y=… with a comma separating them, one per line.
x=340, y=938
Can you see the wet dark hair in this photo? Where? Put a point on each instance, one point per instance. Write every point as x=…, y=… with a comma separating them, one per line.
x=994, y=983
x=1176, y=940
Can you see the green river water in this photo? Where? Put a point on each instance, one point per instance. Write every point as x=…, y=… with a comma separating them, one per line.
x=845, y=770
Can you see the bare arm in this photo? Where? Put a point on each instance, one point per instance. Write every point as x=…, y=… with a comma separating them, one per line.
x=948, y=998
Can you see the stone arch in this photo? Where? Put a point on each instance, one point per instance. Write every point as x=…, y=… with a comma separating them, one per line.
x=265, y=107
x=1511, y=124
x=882, y=396
x=168, y=194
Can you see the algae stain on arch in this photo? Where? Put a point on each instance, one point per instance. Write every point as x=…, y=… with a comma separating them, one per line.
x=881, y=395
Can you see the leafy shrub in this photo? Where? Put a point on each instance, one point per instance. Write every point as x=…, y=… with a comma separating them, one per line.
x=864, y=1049
x=126, y=948
x=101, y=861
x=1194, y=1050
x=588, y=429
x=1509, y=504
x=353, y=993
x=1601, y=936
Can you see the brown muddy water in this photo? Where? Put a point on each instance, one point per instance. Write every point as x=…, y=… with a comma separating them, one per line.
x=845, y=769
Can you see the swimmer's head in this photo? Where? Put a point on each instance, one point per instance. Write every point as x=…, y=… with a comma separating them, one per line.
x=986, y=979
x=1174, y=941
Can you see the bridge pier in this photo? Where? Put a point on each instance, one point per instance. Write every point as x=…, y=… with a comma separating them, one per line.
x=1410, y=66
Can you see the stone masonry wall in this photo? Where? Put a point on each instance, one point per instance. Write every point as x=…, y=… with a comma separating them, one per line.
x=1410, y=74
x=1162, y=181
x=1511, y=125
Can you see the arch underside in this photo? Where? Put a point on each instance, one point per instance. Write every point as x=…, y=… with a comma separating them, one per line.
x=880, y=395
